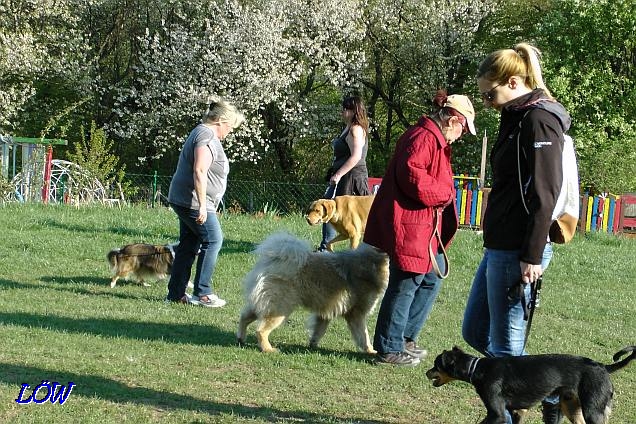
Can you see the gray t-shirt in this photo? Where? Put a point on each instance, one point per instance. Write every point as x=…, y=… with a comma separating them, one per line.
x=181, y=191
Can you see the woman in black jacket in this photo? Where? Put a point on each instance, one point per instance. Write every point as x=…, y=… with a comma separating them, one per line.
x=527, y=177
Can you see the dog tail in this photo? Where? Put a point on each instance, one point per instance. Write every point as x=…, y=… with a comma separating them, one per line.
x=112, y=258
x=617, y=365
x=285, y=248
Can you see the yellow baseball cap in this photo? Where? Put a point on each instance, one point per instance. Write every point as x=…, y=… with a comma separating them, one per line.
x=463, y=105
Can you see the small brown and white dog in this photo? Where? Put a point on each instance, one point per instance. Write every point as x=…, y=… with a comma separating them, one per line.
x=142, y=261
x=289, y=275
x=347, y=214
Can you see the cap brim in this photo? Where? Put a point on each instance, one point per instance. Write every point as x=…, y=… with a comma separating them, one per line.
x=471, y=127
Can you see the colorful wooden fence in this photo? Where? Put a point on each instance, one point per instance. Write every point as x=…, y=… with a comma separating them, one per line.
x=608, y=213
x=469, y=200
x=605, y=213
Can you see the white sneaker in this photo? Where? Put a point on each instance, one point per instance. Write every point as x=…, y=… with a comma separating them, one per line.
x=209, y=301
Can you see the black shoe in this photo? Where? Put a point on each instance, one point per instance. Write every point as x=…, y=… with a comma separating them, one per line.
x=414, y=350
x=401, y=359
x=552, y=413
x=185, y=300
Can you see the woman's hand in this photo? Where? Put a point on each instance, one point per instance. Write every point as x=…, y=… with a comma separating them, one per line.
x=530, y=273
x=203, y=215
x=335, y=178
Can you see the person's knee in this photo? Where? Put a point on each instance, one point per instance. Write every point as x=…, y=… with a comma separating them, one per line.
x=469, y=334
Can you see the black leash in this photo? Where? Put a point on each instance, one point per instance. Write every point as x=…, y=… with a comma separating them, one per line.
x=517, y=292
x=535, y=291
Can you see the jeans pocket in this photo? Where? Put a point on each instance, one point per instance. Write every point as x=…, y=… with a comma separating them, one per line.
x=515, y=292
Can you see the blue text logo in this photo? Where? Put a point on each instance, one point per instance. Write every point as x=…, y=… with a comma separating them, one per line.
x=46, y=391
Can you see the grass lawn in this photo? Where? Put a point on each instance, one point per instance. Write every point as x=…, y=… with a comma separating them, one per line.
x=134, y=359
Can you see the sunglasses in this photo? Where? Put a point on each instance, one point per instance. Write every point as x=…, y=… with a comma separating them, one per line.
x=489, y=95
x=464, y=126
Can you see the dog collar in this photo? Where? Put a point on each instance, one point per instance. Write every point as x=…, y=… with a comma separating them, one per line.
x=471, y=368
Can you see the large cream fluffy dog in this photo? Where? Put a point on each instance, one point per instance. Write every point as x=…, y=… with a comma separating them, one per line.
x=288, y=275
x=347, y=214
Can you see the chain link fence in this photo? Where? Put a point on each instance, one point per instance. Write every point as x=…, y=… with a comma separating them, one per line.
x=241, y=196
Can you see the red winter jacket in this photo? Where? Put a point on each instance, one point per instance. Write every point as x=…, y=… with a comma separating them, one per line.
x=418, y=181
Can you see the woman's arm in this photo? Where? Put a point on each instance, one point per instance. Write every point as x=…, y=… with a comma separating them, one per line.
x=355, y=140
x=202, y=162
x=542, y=137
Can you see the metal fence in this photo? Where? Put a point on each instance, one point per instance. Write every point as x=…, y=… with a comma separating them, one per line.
x=240, y=196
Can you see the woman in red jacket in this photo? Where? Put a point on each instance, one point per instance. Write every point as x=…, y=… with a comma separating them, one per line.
x=413, y=219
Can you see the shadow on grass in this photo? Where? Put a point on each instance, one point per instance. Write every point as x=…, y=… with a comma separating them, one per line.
x=189, y=333
x=237, y=246
x=91, y=229
x=173, y=333
x=65, y=284
x=296, y=349
x=91, y=386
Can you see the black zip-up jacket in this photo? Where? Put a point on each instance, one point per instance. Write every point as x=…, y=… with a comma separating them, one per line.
x=507, y=224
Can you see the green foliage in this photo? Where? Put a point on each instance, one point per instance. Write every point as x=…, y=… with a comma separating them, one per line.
x=93, y=155
x=6, y=188
x=590, y=65
x=140, y=71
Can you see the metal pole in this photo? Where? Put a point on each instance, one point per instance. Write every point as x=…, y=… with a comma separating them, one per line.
x=482, y=171
x=154, y=188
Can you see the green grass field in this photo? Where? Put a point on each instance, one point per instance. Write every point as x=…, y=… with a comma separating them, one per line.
x=134, y=359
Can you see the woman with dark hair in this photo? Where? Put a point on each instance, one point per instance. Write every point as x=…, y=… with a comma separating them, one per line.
x=348, y=172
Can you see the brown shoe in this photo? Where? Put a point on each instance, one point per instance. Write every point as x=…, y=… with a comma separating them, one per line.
x=401, y=359
x=414, y=350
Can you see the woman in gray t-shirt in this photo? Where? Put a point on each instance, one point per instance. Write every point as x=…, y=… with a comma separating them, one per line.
x=196, y=189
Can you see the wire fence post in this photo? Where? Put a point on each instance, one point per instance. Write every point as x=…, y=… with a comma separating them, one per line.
x=154, y=188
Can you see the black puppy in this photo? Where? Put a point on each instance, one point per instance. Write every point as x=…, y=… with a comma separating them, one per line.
x=516, y=383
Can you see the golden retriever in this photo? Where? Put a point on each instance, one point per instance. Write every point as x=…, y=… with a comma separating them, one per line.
x=347, y=214
x=141, y=260
x=288, y=274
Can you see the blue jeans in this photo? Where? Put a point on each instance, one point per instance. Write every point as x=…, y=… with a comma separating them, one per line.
x=328, y=233
x=493, y=324
x=206, y=239
x=406, y=305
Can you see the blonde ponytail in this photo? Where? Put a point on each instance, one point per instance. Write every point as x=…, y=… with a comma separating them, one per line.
x=523, y=61
x=530, y=55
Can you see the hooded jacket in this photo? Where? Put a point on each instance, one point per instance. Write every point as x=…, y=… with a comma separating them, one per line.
x=418, y=184
x=540, y=123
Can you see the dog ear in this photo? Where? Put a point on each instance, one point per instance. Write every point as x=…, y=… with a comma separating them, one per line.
x=447, y=360
x=311, y=207
x=330, y=207
x=456, y=349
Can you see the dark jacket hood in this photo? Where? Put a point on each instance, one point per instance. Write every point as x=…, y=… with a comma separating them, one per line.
x=539, y=99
